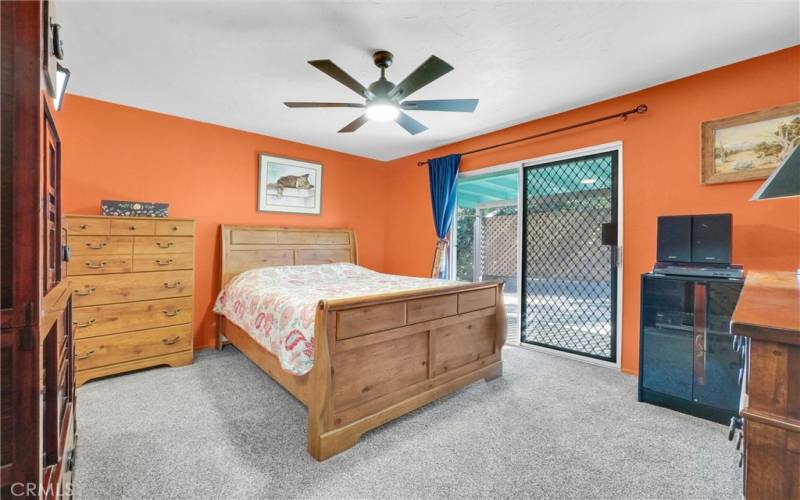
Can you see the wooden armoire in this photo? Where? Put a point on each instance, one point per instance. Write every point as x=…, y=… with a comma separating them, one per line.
x=36, y=367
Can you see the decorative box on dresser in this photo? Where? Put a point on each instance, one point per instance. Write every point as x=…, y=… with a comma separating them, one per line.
x=132, y=280
x=767, y=322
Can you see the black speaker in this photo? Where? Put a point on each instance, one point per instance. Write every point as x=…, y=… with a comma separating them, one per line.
x=674, y=238
x=711, y=239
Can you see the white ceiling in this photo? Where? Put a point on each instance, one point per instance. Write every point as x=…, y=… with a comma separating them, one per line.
x=234, y=63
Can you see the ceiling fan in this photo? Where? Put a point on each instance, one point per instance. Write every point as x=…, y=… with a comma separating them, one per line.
x=384, y=100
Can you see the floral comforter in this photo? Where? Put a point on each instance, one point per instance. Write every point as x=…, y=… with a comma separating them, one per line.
x=277, y=305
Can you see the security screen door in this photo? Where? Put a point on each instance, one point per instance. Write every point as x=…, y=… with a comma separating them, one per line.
x=569, y=276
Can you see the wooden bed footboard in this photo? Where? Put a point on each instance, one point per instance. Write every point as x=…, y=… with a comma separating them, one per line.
x=380, y=358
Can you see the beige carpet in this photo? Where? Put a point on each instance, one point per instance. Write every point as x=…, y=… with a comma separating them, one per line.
x=550, y=428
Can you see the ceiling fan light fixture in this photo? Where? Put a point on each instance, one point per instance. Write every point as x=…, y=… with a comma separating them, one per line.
x=382, y=112
x=385, y=101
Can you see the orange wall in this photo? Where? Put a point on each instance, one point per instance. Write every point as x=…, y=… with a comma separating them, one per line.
x=208, y=173
x=661, y=167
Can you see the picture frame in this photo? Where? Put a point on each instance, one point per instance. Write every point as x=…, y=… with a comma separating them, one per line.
x=289, y=185
x=749, y=146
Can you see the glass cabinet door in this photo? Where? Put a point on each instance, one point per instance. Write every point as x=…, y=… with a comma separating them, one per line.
x=717, y=385
x=667, y=336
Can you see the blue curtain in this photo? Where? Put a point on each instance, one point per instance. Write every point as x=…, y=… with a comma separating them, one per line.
x=443, y=175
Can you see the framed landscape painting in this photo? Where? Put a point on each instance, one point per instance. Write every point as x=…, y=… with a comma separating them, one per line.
x=750, y=146
x=289, y=185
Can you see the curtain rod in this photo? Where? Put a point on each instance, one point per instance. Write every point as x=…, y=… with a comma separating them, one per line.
x=640, y=109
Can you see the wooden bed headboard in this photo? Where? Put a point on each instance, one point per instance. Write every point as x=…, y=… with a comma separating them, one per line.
x=248, y=247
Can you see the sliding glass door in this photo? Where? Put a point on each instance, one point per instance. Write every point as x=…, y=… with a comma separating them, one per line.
x=486, y=237
x=569, y=277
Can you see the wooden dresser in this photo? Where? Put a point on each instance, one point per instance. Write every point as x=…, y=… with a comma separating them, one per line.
x=132, y=280
x=768, y=317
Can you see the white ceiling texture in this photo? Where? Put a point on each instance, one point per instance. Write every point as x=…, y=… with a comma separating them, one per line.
x=234, y=63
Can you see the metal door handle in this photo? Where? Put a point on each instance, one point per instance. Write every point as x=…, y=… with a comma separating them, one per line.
x=101, y=265
x=171, y=314
x=86, y=291
x=162, y=244
x=163, y=262
x=96, y=246
x=172, y=285
x=171, y=341
x=85, y=324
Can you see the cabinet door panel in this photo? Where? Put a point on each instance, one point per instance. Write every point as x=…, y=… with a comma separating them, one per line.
x=717, y=368
x=667, y=340
x=718, y=386
x=722, y=299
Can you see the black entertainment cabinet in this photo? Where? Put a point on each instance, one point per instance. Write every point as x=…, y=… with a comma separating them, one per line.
x=687, y=357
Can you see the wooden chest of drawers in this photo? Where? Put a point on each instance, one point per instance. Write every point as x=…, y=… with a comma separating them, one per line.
x=133, y=292
x=767, y=315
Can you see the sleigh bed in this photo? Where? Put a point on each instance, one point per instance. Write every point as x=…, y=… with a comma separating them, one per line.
x=375, y=357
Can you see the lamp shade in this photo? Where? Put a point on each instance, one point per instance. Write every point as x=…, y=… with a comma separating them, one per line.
x=784, y=181
x=62, y=78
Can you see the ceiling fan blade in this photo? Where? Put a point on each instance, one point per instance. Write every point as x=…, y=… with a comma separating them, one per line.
x=329, y=68
x=355, y=124
x=323, y=105
x=459, y=105
x=428, y=71
x=411, y=125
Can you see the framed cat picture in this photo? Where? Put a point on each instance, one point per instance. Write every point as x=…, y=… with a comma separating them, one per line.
x=289, y=185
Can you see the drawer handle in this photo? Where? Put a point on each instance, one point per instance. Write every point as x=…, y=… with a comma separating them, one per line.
x=96, y=246
x=171, y=314
x=171, y=341
x=174, y=228
x=132, y=227
x=86, y=355
x=161, y=262
x=175, y=284
x=101, y=265
x=86, y=291
x=164, y=244
x=84, y=226
x=85, y=324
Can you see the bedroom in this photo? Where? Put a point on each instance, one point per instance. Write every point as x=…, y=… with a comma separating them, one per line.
x=563, y=188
